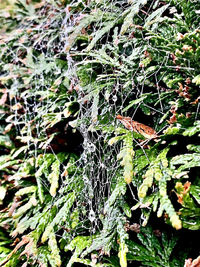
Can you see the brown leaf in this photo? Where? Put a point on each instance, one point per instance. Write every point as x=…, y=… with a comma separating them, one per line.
x=15, y=204
x=137, y=127
x=186, y=187
x=196, y=101
x=3, y=99
x=172, y=119
x=25, y=240
x=180, y=86
x=39, y=5
x=180, y=198
x=16, y=241
x=194, y=263
x=157, y=233
x=8, y=128
x=4, y=210
x=174, y=58
x=188, y=263
x=188, y=81
x=29, y=249
x=180, y=36
x=135, y=227
x=17, y=106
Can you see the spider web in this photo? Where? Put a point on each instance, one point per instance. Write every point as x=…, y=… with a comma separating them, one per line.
x=98, y=159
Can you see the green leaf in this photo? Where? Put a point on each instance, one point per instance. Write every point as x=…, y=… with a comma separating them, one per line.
x=172, y=130
x=78, y=244
x=126, y=209
x=195, y=148
x=123, y=249
x=54, y=257
x=84, y=22
x=60, y=216
x=152, y=251
x=196, y=80
x=132, y=11
x=54, y=177
x=190, y=131
x=135, y=102
x=2, y=193
x=195, y=192
x=119, y=190
x=5, y=141
x=154, y=17
x=99, y=34
x=95, y=103
x=23, y=209
x=26, y=190
x=186, y=161
x=126, y=155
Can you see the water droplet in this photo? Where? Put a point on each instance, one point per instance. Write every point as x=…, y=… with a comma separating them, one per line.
x=91, y=215
x=114, y=98
x=102, y=165
x=84, y=158
x=92, y=148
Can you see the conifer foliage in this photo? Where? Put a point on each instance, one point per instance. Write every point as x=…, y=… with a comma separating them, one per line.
x=99, y=151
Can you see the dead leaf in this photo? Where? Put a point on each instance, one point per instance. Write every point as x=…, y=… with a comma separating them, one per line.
x=14, y=205
x=3, y=99
x=25, y=240
x=137, y=127
x=39, y=5
x=8, y=128
x=15, y=242
x=194, y=263
x=17, y=106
